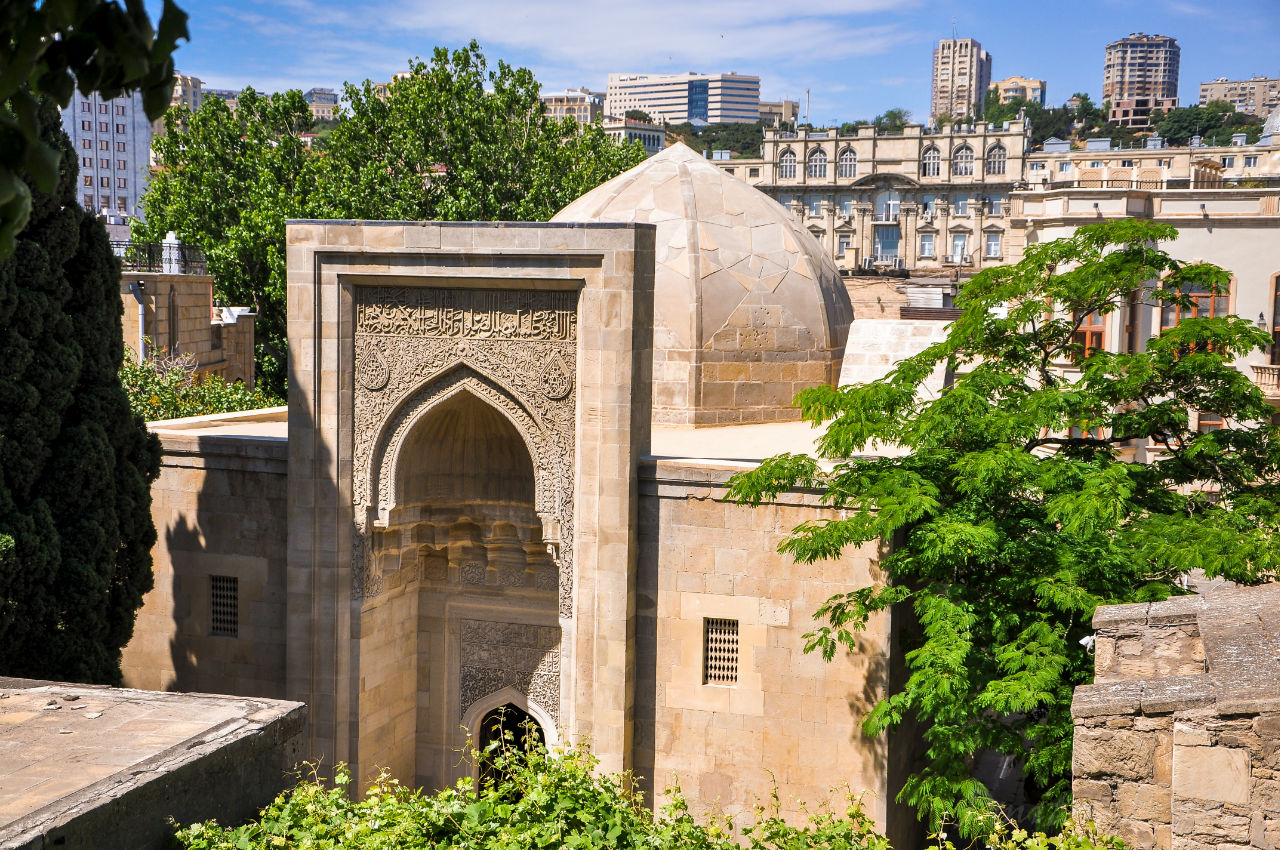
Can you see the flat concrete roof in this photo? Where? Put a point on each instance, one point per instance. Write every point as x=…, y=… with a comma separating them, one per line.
x=728, y=445
x=66, y=747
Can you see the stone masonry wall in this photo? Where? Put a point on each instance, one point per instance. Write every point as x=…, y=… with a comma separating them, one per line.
x=1177, y=744
x=790, y=718
x=219, y=510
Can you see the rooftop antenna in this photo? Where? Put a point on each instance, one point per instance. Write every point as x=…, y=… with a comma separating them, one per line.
x=806, y=106
x=954, y=33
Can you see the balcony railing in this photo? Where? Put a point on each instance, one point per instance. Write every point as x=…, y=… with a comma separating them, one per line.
x=160, y=257
x=1268, y=380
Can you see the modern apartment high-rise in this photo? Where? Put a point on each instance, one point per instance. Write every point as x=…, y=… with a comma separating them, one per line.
x=112, y=139
x=961, y=77
x=1020, y=88
x=1140, y=74
x=697, y=98
x=1254, y=96
x=188, y=91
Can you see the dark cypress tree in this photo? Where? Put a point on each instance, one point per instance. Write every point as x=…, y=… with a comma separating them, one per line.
x=75, y=465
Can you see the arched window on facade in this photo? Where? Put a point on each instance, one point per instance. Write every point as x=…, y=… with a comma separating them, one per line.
x=787, y=165
x=997, y=159
x=962, y=162
x=817, y=164
x=931, y=162
x=847, y=164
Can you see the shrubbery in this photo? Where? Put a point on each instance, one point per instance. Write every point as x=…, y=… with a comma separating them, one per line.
x=167, y=387
x=546, y=800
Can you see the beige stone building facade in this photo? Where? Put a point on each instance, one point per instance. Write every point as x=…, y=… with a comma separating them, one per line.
x=1021, y=88
x=961, y=77
x=929, y=202
x=1254, y=96
x=174, y=313
x=582, y=105
x=485, y=494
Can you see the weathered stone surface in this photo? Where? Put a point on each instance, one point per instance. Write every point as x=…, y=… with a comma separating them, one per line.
x=1211, y=773
x=1143, y=802
x=1127, y=755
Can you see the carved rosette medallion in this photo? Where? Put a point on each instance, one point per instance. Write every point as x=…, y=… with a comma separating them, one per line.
x=515, y=349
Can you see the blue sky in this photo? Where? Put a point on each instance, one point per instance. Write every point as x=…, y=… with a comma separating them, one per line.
x=856, y=57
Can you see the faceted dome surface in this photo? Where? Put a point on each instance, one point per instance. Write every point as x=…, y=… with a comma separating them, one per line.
x=748, y=307
x=719, y=240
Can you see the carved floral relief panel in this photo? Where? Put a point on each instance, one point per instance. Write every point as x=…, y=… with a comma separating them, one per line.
x=417, y=346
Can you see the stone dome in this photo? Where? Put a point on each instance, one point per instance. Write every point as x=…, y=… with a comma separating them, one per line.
x=1272, y=127
x=749, y=308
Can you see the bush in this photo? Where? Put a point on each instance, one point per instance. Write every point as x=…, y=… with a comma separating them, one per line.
x=540, y=799
x=166, y=387
x=551, y=800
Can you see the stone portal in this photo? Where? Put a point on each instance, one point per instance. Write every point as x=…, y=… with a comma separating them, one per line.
x=467, y=406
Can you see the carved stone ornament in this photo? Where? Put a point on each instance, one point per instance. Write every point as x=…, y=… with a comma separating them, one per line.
x=516, y=655
x=513, y=349
x=557, y=380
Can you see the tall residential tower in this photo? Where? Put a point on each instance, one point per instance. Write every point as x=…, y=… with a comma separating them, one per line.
x=1140, y=74
x=961, y=76
x=112, y=138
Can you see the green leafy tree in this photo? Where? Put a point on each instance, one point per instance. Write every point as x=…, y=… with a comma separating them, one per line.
x=226, y=183
x=456, y=141
x=1018, y=507
x=451, y=141
x=53, y=47
x=75, y=465
x=891, y=121
x=637, y=115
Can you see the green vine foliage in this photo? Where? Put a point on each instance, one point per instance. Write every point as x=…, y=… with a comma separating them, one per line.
x=169, y=389
x=1020, y=503
x=556, y=799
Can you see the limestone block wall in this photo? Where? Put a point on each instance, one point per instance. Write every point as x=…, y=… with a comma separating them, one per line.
x=757, y=362
x=790, y=718
x=219, y=510
x=179, y=316
x=1177, y=743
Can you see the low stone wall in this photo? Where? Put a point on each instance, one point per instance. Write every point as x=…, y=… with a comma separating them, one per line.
x=1177, y=743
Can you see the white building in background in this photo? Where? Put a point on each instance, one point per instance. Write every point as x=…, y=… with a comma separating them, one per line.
x=582, y=105
x=652, y=137
x=112, y=141
x=677, y=98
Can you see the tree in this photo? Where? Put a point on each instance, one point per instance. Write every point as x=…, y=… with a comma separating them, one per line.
x=1019, y=505
x=455, y=141
x=52, y=48
x=891, y=121
x=75, y=465
x=450, y=141
x=227, y=183
x=637, y=115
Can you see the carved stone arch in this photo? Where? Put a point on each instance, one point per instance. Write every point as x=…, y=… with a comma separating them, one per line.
x=384, y=462
x=512, y=696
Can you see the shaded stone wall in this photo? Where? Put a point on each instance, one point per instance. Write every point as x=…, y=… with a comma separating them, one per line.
x=790, y=718
x=1177, y=743
x=219, y=507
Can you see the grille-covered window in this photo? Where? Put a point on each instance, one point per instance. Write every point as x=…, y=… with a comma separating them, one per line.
x=224, y=606
x=720, y=651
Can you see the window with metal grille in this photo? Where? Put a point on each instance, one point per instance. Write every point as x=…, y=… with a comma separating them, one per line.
x=224, y=606
x=719, y=651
